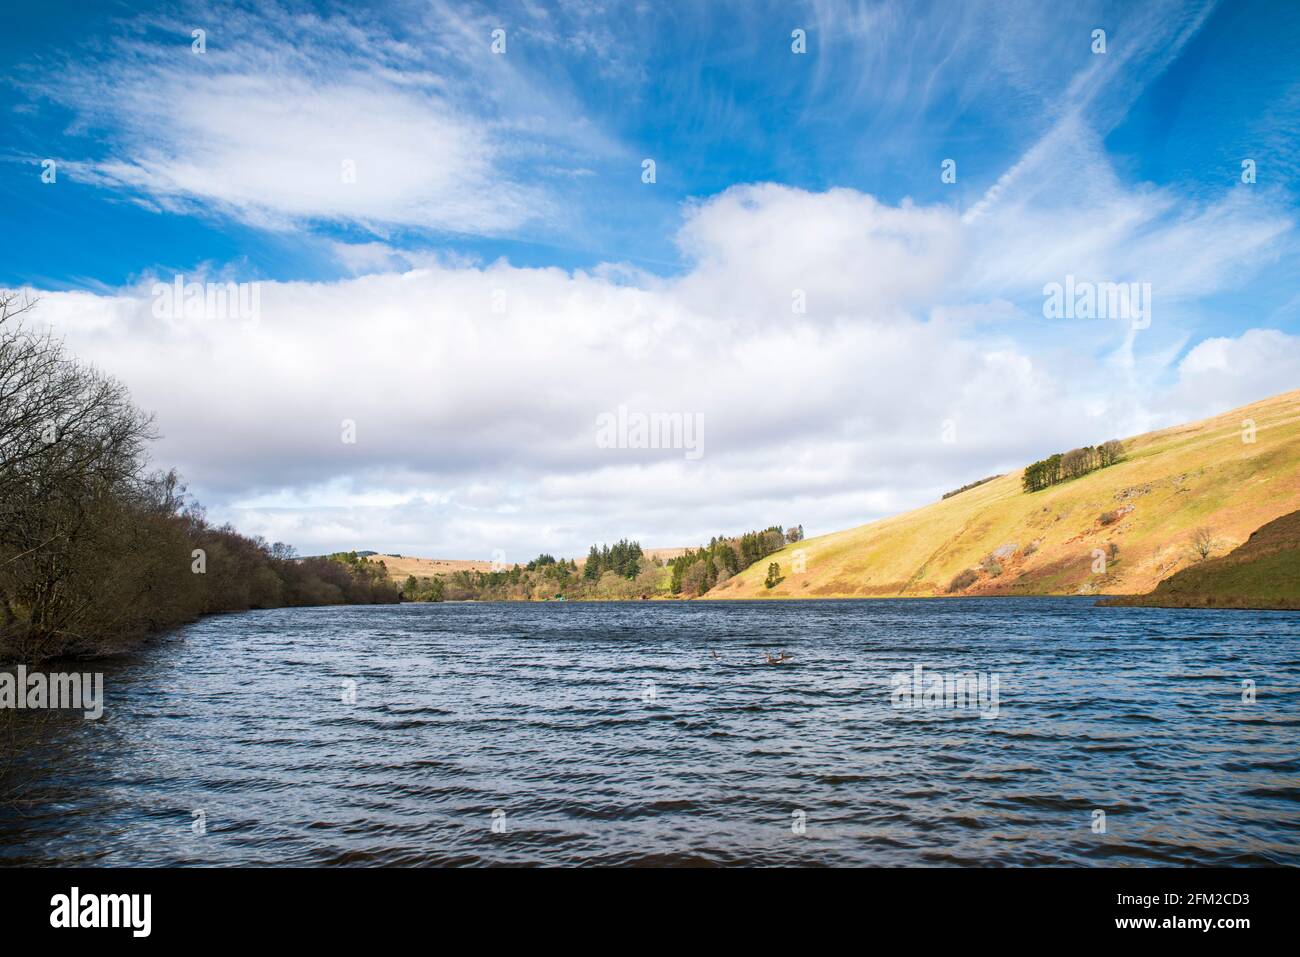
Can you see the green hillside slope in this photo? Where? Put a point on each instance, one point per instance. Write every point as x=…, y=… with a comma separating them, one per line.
x=1119, y=530
x=1263, y=573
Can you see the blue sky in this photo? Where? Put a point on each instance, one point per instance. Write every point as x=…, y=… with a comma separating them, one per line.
x=523, y=170
x=711, y=92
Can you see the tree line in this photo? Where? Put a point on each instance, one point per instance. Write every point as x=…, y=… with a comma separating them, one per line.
x=966, y=488
x=1071, y=465
x=98, y=550
x=545, y=577
x=698, y=570
x=620, y=571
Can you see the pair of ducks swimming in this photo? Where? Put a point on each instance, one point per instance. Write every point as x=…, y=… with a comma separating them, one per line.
x=771, y=658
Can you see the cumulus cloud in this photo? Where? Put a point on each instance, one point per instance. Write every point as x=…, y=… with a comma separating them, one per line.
x=847, y=253
x=475, y=389
x=1223, y=372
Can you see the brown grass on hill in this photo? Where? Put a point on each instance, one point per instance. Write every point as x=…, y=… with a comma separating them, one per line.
x=1232, y=473
x=400, y=568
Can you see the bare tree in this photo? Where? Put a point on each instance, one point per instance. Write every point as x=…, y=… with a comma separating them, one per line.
x=71, y=470
x=95, y=550
x=1204, y=543
x=1076, y=462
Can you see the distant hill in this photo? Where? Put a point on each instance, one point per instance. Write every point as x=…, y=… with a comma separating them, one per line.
x=399, y=567
x=1263, y=573
x=1139, y=515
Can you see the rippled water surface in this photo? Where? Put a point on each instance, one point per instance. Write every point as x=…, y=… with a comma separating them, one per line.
x=610, y=733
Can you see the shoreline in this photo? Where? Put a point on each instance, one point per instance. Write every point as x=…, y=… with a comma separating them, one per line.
x=1204, y=603
x=701, y=598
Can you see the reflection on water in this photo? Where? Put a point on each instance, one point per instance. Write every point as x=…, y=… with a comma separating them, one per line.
x=653, y=733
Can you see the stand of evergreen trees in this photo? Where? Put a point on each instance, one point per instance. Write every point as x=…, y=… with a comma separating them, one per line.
x=623, y=558
x=97, y=550
x=1071, y=465
x=698, y=570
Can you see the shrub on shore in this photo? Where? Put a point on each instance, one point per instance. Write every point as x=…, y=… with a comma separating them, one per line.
x=963, y=580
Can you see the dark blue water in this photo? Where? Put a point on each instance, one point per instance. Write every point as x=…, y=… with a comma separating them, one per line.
x=611, y=734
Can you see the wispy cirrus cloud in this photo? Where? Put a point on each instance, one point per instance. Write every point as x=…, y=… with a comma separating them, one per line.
x=276, y=151
x=286, y=118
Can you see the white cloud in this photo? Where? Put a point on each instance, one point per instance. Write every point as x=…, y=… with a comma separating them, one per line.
x=442, y=135
x=476, y=389
x=1062, y=210
x=848, y=253
x=275, y=151
x=1224, y=372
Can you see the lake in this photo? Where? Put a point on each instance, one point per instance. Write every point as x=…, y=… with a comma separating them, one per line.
x=655, y=733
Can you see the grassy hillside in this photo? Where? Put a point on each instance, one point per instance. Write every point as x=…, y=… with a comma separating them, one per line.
x=1172, y=482
x=400, y=567
x=1263, y=573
